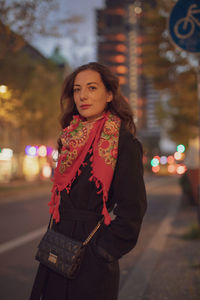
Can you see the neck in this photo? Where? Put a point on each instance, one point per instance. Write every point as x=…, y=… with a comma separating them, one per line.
x=96, y=119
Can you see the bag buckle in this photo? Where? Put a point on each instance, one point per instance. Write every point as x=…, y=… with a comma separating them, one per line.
x=52, y=258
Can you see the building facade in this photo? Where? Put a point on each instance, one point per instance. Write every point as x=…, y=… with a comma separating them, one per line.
x=120, y=39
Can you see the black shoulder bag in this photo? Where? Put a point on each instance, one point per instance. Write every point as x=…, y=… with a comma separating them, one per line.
x=62, y=254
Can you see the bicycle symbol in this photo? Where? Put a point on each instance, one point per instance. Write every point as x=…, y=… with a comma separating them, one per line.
x=184, y=28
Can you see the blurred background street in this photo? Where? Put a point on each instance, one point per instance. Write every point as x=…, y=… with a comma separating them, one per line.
x=43, y=41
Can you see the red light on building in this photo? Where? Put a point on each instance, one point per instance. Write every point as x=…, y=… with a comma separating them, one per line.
x=139, y=113
x=120, y=37
x=140, y=71
x=121, y=69
x=116, y=37
x=139, y=61
x=140, y=101
x=140, y=39
x=117, y=58
x=106, y=47
x=138, y=50
x=122, y=80
x=117, y=11
x=121, y=48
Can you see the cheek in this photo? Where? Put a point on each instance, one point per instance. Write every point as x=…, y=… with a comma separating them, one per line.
x=101, y=106
x=104, y=104
x=76, y=100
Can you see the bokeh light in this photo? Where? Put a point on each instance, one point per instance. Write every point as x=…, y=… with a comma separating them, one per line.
x=46, y=171
x=180, y=148
x=154, y=162
x=171, y=168
x=178, y=155
x=55, y=155
x=6, y=154
x=3, y=89
x=42, y=151
x=156, y=169
x=170, y=159
x=181, y=169
x=31, y=150
x=163, y=160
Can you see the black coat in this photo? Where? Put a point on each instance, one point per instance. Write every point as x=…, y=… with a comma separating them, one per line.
x=99, y=274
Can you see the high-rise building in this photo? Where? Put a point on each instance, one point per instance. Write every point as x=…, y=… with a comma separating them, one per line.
x=120, y=40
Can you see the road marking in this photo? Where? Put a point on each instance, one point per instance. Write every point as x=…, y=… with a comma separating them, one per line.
x=23, y=239
x=136, y=283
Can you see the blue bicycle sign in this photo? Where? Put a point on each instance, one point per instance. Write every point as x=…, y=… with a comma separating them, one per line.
x=184, y=25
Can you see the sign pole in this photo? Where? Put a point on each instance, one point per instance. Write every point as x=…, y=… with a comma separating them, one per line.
x=184, y=29
x=198, y=96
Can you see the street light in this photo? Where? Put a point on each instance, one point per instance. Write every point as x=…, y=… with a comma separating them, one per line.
x=5, y=94
x=3, y=89
x=138, y=10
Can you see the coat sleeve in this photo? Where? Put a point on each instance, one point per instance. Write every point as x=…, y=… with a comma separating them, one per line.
x=128, y=192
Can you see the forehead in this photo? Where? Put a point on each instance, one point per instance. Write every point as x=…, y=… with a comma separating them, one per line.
x=88, y=76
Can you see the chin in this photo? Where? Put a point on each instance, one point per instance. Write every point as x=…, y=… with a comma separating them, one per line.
x=85, y=115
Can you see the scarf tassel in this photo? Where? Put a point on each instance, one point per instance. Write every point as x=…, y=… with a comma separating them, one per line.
x=78, y=173
x=54, y=204
x=107, y=218
x=104, y=212
x=97, y=183
x=56, y=214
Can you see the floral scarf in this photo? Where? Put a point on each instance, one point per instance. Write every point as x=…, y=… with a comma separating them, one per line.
x=100, y=138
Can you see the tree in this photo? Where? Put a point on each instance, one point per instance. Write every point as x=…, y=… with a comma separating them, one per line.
x=33, y=81
x=33, y=17
x=31, y=103
x=172, y=71
x=28, y=17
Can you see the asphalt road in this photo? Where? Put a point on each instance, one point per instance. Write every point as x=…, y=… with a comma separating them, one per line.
x=23, y=220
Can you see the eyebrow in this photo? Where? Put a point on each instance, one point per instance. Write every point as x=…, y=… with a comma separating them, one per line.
x=93, y=82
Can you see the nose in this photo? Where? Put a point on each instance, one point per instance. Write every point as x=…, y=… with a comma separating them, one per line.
x=83, y=94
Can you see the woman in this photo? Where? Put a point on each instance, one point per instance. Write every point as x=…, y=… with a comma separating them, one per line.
x=99, y=169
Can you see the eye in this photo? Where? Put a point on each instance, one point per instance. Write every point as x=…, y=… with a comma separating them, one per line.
x=92, y=88
x=76, y=90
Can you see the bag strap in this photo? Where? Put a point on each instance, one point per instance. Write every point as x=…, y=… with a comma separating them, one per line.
x=92, y=233
x=50, y=222
x=90, y=236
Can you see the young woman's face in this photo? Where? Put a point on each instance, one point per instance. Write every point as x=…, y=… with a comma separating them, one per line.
x=90, y=94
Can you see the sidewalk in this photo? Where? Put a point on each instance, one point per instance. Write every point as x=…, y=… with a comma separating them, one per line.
x=177, y=273
x=168, y=271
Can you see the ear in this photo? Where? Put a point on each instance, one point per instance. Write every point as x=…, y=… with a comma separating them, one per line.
x=109, y=97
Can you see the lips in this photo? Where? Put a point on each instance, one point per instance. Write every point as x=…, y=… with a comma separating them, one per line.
x=85, y=106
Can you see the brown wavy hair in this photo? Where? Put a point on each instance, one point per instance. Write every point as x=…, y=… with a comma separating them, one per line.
x=118, y=106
